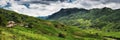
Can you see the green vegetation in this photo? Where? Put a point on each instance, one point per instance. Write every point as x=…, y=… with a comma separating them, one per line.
x=104, y=19
x=104, y=22
x=29, y=28
x=14, y=26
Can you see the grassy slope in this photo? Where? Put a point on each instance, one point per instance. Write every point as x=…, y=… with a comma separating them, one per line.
x=105, y=18
x=40, y=29
x=104, y=22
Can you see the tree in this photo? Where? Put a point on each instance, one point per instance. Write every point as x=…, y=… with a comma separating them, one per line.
x=85, y=23
x=3, y=21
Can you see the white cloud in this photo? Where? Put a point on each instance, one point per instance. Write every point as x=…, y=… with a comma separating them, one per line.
x=37, y=9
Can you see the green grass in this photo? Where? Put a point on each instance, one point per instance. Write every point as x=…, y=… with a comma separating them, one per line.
x=72, y=33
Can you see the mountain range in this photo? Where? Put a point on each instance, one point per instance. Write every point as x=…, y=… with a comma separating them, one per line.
x=104, y=19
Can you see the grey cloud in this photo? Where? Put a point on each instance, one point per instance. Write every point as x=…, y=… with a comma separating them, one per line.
x=115, y=1
x=86, y=4
x=39, y=2
x=35, y=5
x=107, y=1
x=46, y=1
x=34, y=2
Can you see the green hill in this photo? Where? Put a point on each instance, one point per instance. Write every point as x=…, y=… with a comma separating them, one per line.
x=104, y=22
x=14, y=26
x=104, y=19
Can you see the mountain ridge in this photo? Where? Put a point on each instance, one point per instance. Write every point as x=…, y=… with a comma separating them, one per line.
x=96, y=18
x=70, y=10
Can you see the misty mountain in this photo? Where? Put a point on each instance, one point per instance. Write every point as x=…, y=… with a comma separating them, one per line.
x=43, y=17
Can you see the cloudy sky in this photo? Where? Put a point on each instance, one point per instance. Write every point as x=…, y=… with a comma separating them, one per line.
x=48, y=7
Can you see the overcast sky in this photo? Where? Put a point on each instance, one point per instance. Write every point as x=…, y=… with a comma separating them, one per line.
x=48, y=7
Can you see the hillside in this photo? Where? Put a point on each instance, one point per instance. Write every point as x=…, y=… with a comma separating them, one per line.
x=14, y=26
x=65, y=12
x=104, y=19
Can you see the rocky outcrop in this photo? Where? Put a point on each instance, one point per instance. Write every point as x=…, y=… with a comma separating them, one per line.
x=10, y=24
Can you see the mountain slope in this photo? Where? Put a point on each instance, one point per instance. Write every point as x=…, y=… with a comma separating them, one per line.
x=14, y=26
x=66, y=12
x=104, y=19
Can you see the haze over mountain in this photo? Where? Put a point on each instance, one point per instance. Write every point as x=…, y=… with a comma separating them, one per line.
x=48, y=7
